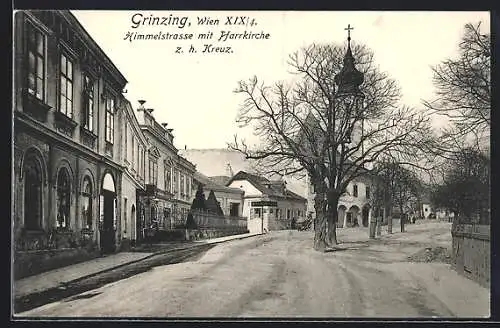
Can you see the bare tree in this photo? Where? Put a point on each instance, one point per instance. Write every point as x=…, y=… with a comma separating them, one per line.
x=306, y=128
x=463, y=91
x=466, y=187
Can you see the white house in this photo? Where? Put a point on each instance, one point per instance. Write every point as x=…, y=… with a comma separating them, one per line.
x=267, y=204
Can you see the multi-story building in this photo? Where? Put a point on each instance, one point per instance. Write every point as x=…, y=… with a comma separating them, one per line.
x=354, y=207
x=133, y=145
x=67, y=177
x=169, y=176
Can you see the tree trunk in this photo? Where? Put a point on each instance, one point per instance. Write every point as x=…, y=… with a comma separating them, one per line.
x=402, y=221
x=388, y=215
x=333, y=202
x=320, y=226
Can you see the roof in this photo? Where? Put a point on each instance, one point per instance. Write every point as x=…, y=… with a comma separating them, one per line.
x=220, y=179
x=214, y=164
x=209, y=184
x=267, y=187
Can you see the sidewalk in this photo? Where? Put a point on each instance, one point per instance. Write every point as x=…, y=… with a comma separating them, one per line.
x=60, y=277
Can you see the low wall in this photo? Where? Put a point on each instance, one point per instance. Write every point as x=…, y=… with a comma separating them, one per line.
x=201, y=234
x=471, y=252
x=28, y=263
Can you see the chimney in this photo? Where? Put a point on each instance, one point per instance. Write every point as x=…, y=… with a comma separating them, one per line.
x=185, y=147
x=141, y=107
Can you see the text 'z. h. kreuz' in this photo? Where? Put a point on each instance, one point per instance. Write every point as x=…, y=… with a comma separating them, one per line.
x=234, y=28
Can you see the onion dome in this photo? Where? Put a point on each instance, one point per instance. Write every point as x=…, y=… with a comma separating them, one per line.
x=349, y=78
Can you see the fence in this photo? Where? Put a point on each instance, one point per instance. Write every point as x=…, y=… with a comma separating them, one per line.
x=206, y=220
x=471, y=251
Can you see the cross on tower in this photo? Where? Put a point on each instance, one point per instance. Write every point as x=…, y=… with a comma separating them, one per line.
x=348, y=29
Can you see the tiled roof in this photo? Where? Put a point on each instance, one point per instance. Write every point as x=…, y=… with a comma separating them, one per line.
x=220, y=179
x=209, y=184
x=266, y=186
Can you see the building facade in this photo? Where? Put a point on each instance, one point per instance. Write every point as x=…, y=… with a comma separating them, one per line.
x=67, y=175
x=354, y=207
x=133, y=145
x=229, y=199
x=268, y=205
x=169, y=177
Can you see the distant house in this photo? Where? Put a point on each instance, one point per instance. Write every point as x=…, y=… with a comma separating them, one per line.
x=269, y=205
x=354, y=205
x=229, y=199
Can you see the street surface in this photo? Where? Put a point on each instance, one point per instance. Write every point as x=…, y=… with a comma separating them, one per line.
x=280, y=275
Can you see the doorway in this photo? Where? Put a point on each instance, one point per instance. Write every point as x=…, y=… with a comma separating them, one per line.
x=108, y=216
x=365, y=215
x=133, y=225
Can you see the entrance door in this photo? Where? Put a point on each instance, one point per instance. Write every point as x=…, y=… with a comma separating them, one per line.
x=365, y=216
x=133, y=223
x=108, y=230
x=349, y=219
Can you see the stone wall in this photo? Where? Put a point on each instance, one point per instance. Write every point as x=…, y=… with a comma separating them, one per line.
x=471, y=252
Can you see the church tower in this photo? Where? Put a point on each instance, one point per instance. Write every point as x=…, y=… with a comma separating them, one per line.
x=349, y=98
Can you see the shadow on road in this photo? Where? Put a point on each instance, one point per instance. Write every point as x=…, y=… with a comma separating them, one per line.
x=79, y=286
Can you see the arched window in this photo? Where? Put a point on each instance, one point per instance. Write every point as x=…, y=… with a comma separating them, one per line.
x=87, y=203
x=32, y=196
x=63, y=198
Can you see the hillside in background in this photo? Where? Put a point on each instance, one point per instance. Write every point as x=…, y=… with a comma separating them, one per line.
x=219, y=162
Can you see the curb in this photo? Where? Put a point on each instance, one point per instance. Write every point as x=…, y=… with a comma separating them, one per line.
x=133, y=262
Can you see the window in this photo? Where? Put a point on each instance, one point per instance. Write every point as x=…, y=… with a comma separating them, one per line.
x=110, y=122
x=133, y=153
x=32, y=196
x=66, y=87
x=126, y=140
x=257, y=212
x=87, y=203
x=153, y=172
x=288, y=214
x=188, y=186
x=235, y=209
x=141, y=162
x=367, y=191
x=138, y=157
x=88, y=103
x=175, y=183
x=168, y=178
x=63, y=198
x=182, y=185
x=355, y=191
x=125, y=217
x=36, y=62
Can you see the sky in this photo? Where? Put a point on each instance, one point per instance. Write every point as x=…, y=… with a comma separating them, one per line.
x=193, y=92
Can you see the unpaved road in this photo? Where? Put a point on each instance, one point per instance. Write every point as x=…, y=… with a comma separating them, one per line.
x=279, y=275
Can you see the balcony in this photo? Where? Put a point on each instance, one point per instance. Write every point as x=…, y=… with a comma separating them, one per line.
x=64, y=124
x=35, y=108
x=87, y=137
